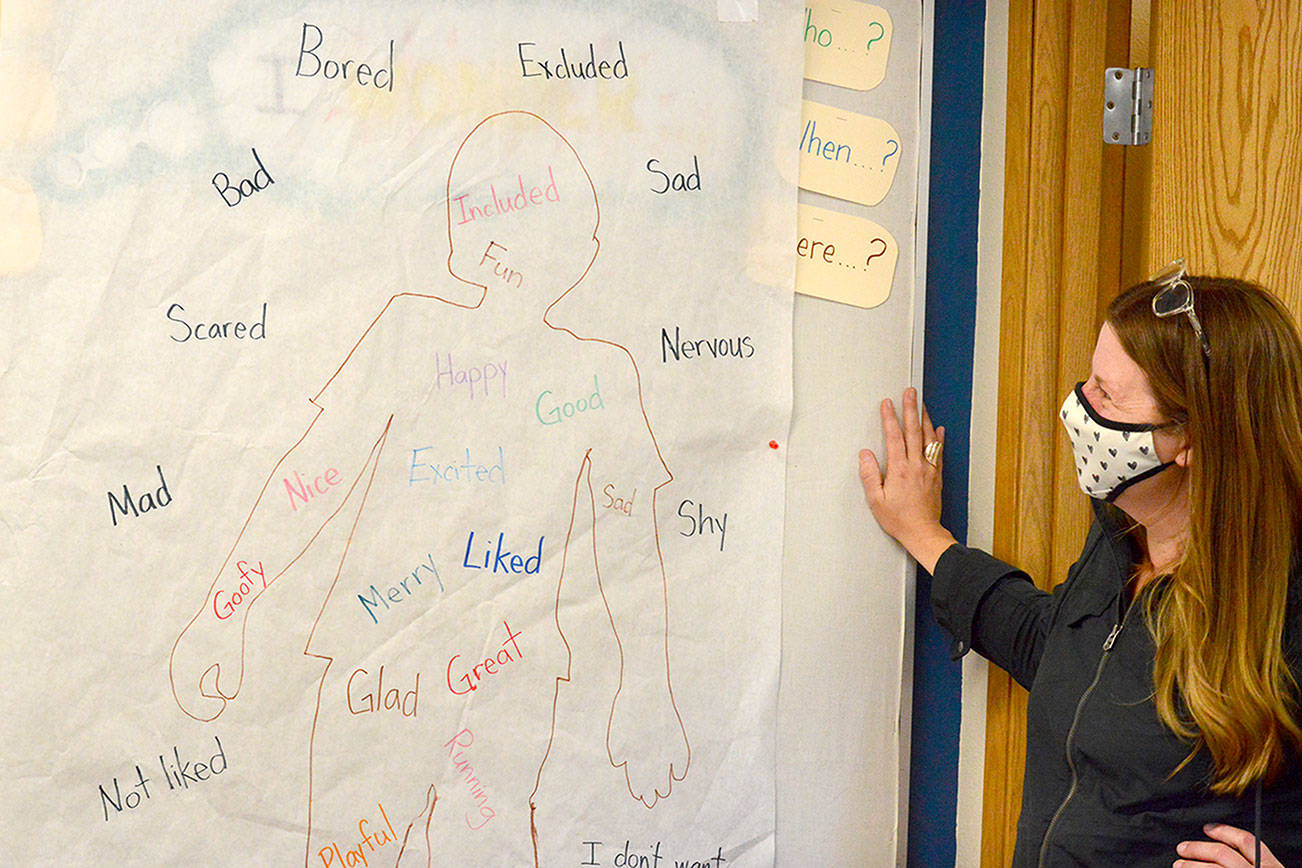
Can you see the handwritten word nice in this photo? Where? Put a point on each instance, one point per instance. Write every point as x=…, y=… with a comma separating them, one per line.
x=502, y=560
x=362, y=74
x=473, y=678
x=179, y=776
x=481, y=377
x=303, y=490
x=549, y=69
x=332, y=855
x=507, y=202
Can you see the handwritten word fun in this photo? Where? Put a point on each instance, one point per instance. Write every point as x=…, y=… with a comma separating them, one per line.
x=379, y=699
x=332, y=855
x=465, y=739
x=159, y=499
x=508, y=202
x=702, y=524
x=470, y=471
x=565, y=69
x=361, y=72
x=501, y=271
x=556, y=413
x=373, y=603
x=480, y=376
x=246, y=187
x=473, y=679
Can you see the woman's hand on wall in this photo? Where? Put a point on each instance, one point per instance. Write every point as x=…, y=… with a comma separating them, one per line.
x=1229, y=848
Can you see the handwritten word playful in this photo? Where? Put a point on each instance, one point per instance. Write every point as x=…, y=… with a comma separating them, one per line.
x=158, y=499
x=739, y=347
x=179, y=776
x=605, y=69
x=502, y=560
x=303, y=490
x=476, y=376
x=701, y=524
x=678, y=181
x=556, y=413
x=378, y=698
x=201, y=331
x=469, y=471
x=631, y=858
x=332, y=855
x=507, y=202
x=473, y=679
x=224, y=603
x=260, y=181
x=618, y=504
x=372, y=603
x=465, y=739
x=381, y=79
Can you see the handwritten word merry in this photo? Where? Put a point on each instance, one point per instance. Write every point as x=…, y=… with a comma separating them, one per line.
x=394, y=595
x=380, y=699
x=556, y=413
x=464, y=739
x=304, y=491
x=183, y=773
x=337, y=69
x=357, y=855
x=495, y=205
x=565, y=69
x=472, y=679
x=147, y=502
x=209, y=331
x=246, y=586
x=470, y=471
x=469, y=377
x=739, y=347
x=503, y=561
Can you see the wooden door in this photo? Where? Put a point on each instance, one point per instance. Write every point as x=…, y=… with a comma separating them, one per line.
x=1220, y=184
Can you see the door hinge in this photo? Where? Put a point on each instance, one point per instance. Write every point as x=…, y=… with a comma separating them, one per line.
x=1128, y=106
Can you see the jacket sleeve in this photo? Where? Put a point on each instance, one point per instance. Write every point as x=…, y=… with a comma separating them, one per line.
x=992, y=607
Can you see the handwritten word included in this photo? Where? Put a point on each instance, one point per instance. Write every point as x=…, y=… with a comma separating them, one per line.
x=465, y=739
x=367, y=843
x=551, y=411
x=225, y=602
x=501, y=560
x=487, y=378
x=489, y=667
x=207, y=331
x=612, y=500
x=702, y=524
x=469, y=471
x=130, y=505
x=368, y=697
x=233, y=194
x=310, y=64
x=568, y=67
x=740, y=347
x=177, y=773
x=481, y=207
x=372, y=603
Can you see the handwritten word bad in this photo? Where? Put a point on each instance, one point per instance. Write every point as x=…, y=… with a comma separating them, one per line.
x=208, y=331
x=225, y=603
x=178, y=776
x=701, y=524
x=618, y=504
x=473, y=678
x=465, y=739
x=301, y=490
x=508, y=202
x=477, y=376
x=470, y=471
x=362, y=73
x=160, y=498
x=565, y=69
x=739, y=347
x=332, y=855
x=502, y=560
x=380, y=699
x=679, y=181
x=556, y=413
x=246, y=187
x=393, y=595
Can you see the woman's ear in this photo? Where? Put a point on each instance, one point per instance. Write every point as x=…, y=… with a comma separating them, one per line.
x=1185, y=455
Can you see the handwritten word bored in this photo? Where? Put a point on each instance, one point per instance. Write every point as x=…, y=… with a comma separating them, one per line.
x=158, y=499
x=332, y=855
x=362, y=73
x=393, y=595
x=465, y=739
x=179, y=775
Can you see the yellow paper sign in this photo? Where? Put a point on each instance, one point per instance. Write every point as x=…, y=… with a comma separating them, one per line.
x=847, y=155
x=843, y=258
x=846, y=43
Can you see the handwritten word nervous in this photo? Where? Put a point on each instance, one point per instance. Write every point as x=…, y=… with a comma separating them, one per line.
x=179, y=775
x=465, y=739
x=473, y=679
x=310, y=64
x=158, y=499
x=332, y=855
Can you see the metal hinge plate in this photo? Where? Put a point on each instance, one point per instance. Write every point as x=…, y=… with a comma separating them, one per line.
x=1128, y=106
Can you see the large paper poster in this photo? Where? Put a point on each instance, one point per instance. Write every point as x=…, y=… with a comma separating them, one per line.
x=395, y=403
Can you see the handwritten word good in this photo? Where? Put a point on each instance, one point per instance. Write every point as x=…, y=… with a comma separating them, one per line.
x=303, y=490
x=473, y=678
x=393, y=595
x=619, y=504
x=557, y=413
x=157, y=499
x=332, y=855
x=630, y=858
x=501, y=559
x=229, y=329
x=224, y=603
x=501, y=270
x=679, y=181
x=378, y=699
x=179, y=776
x=381, y=79
x=469, y=471
x=475, y=376
x=465, y=739
x=701, y=524
x=508, y=202
x=246, y=187
x=532, y=68
x=739, y=347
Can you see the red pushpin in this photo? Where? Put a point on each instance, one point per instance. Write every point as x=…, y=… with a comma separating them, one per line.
x=773, y=444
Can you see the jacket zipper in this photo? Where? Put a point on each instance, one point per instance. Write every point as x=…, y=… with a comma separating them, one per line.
x=1071, y=790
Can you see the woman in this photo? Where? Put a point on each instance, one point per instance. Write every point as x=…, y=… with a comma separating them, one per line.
x=1164, y=718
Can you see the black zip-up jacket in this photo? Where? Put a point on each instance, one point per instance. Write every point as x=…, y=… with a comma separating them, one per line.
x=1099, y=789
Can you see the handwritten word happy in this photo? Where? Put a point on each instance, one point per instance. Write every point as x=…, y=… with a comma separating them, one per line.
x=477, y=375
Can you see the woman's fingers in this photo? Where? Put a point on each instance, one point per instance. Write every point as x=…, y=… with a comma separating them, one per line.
x=891, y=433
x=912, y=424
x=928, y=432
x=870, y=474
x=1231, y=847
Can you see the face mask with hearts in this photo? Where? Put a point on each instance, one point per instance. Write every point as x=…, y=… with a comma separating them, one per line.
x=1110, y=456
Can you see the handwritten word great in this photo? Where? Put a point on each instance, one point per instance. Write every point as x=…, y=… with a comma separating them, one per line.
x=372, y=603
x=473, y=678
x=332, y=855
x=465, y=739
x=179, y=776
x=494, y=204
x=208, y=331
x=739, y=347
x=158, y=499
x=362, y=74
x=565, y=69
x=470, y=471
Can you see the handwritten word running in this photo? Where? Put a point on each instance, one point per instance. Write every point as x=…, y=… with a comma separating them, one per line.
x=465, y=739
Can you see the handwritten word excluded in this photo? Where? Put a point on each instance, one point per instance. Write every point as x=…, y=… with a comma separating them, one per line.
x=501, y=559
x=206, y=331
x=566, y=67
x=550, y=411
x=179, y=775
x=486, y=378
x=470, y=471
x=310, y=64
x=366, y=843
x=393, y=595
x=740, y=347
x=371, y=697
x=495, y=204
x=129, y=505
x=473, y=679
x=260, y=181
x=461, y=761
x=702, y=524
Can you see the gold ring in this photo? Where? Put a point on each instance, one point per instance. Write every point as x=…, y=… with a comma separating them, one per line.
x=932, y=453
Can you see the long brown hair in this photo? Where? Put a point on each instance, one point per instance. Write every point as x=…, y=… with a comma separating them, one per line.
x=1220, y=673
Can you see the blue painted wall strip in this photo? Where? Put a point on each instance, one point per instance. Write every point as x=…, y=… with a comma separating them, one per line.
x=958, y=72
